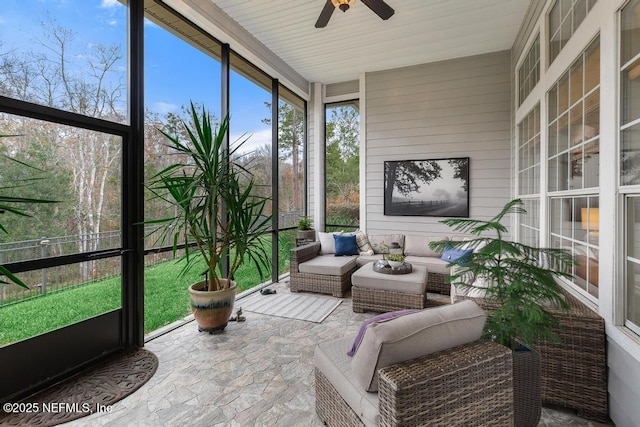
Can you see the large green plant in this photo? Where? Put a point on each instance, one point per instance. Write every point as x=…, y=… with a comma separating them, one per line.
x=212, y=196
x=519, y=281
x=16, y=206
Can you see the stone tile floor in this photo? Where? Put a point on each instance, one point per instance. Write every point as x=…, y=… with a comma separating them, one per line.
x=257, y=373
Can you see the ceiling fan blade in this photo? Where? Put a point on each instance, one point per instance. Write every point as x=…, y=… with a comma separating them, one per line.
x=380, y=8
x=326, y=13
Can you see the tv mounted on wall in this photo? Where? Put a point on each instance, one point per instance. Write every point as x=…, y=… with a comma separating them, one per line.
x=437, y=187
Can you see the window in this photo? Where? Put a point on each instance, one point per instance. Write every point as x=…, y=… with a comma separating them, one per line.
x=630, y=157
x=342, y=164
x=81, y=169
x=573, y=165
x=529, y=175
x=291, y=179
x=632, y=263
x=564, y=18
x=170, y=87
x=529, y=71
x=574, y=114
x=71, y=56
x=574, y=226
x=529, y=148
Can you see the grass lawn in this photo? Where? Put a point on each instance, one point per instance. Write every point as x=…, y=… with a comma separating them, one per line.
x=166, y=300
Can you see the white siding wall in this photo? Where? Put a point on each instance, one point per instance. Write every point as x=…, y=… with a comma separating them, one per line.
x=457, y=108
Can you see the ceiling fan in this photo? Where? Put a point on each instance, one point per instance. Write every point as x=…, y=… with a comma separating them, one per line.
x=379, y=7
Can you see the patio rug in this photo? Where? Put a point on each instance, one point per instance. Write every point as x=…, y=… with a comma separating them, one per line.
x=92, y=390
x=292, y=306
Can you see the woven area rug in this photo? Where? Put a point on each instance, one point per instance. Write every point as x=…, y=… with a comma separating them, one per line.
x=292, y=306
x=90, y=391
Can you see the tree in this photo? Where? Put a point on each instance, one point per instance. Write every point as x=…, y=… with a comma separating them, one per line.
x=84, y=81
x=406, y=177
x=32, y=183
x=461, y=171
x=291, y=147
x=343, y=164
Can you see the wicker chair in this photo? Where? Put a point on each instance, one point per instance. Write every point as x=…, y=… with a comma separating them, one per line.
x=468, y=385
x=573, y=372
x=338, y=286
x=437, y=283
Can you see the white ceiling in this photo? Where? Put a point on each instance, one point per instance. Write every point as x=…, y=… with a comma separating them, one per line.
x=358, y=41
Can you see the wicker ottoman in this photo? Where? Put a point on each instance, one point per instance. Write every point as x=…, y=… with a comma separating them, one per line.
x=388, y=292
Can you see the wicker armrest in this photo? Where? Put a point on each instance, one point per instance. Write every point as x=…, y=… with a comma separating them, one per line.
x=467, y=385
x=573, y=371
x=305, y=253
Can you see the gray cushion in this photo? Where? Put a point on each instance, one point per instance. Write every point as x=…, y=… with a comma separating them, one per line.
x=433, y=265
x=415, y=335
x=332, y=360
x=419, y=245
x=412, y=283
x=381, y=242
x=364, y=259
x=329, y=265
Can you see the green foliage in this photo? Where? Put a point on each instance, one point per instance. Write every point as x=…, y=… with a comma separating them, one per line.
x=213, y=200
x=305, y=223
x=395, y=257
x=521, y=279
x=36, y=316
x=166, y=298
x=22, y=177
x=343, y=214
x=16, y=205
x=342, y=154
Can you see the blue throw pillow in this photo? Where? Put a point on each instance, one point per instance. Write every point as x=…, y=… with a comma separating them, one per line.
x=345, y=244
x=453, y=254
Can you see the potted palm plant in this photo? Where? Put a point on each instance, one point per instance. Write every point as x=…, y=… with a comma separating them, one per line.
x=518, y=286
x=216, y=215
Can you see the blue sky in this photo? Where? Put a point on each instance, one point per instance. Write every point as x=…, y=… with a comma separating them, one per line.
x=175, y=73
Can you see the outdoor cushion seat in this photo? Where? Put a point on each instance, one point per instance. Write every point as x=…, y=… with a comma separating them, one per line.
x=331, y=275
x=328, y=264
x=434, y=265
x=331, y=358
x=423, y=368
x=366, y=259
x=335, y=279
x=414, y=283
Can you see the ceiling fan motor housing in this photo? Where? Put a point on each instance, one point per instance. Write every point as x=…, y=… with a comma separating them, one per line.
x=343, y=5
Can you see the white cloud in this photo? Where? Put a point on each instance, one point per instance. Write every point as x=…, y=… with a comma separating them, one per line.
x=113, y=23
x=165, y=107
x=2, y=21
x=109, y=3
x=255, y=139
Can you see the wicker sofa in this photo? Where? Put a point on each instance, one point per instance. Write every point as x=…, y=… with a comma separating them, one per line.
x=424, y=368
x=573, y=371
x=313, y=270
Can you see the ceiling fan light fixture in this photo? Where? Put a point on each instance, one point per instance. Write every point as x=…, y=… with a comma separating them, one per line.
x=343, y=5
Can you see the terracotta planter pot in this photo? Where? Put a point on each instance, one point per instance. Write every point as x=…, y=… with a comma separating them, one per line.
x=212, y=309
x=527, y=400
